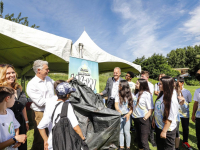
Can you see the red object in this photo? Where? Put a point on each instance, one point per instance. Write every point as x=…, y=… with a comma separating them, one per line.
x=28, y=105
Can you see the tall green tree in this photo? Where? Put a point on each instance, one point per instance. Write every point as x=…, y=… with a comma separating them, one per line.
x=192, y=62
x=19, y=19
x=177, y=58
x=156, y=64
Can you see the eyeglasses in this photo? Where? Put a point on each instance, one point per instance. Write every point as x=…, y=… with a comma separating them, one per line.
x=4, y=65
x=128, y=76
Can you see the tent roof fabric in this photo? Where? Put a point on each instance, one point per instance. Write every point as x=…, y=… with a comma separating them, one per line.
x=21, y=45
x=107, y=62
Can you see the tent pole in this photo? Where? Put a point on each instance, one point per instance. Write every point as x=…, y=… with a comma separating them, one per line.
x=23, y=79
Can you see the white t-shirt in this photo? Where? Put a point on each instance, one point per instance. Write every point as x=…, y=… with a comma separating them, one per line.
x=132, y=86
x=115, y=88
x=151, y=88
x=8, y=124
x=144, y=105
x=197, y=99
x=159, y=112
x=124, y=107
x=46, y=120
x=184, y=109
x=40, y=92
x=156, y=87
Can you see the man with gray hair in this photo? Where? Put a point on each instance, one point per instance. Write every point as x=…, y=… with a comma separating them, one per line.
x=112, y=88
x=40, y=89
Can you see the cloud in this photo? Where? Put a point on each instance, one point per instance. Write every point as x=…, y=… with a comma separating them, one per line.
x=192, y=26
x=149, y=28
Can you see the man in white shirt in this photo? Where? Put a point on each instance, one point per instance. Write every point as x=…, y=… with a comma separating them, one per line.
x=128, y=78
x=145, y=75
x=40, y=89
x=112, y=87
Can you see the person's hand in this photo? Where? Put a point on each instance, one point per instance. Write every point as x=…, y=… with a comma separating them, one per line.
x=46, y=145
x=181, y=100
x=27, y=127
x=163, y=135
x=70, y=79
x=153, y=123
x=193, y=118
x=101, y=94
x=17, y=145
x=127, y=116
x=21, y=138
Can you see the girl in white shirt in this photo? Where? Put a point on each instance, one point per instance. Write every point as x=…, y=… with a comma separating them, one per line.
x=124, y=105
x=165, y=114
x=142, y=110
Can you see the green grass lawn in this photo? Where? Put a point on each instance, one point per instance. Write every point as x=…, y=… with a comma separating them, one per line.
x=102, y=79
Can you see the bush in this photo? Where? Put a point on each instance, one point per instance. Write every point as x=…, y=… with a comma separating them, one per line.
x=191, y=81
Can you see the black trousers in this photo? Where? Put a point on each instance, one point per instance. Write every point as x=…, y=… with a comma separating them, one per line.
x=111, y=104
x=168, y=143
x=198, y=132
x=142, y=131
x=185, y=126
x=151, y=135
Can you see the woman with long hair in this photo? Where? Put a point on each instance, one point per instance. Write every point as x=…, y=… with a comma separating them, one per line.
x=165, y=114
x=8, y=77
x=184, y=98
x=142, y=110
x=124, y=105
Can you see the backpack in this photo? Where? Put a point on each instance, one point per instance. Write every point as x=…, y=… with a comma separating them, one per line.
x=63, y=135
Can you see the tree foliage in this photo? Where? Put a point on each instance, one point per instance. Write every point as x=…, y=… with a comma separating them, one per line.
x=156, y=64
x=185, y=57
x=19, y=19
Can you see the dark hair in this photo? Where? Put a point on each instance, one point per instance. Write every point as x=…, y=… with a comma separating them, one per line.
x=198, y=76
x=131, y=74
x=143, y=87
x=145, y=73
x=180, y=79
x=177, y=88
x=125, y=92
x=168, y=87
x=5, y=92
x=55, y=85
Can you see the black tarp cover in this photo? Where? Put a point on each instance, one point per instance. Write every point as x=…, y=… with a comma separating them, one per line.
x=100, y=125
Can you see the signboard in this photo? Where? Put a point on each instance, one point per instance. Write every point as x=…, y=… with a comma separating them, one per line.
x=85, y=71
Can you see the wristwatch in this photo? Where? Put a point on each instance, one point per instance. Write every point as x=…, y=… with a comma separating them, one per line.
x=27, y=121
x=15, y=140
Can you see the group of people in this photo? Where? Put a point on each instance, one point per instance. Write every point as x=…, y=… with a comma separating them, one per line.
x=134, y=101
x=45, y=94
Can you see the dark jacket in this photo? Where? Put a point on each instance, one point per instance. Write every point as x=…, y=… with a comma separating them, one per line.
x=109, y=85
x=20, y=103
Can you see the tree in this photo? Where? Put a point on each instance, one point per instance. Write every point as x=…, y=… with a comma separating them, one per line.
x=191, y=61
x=23, y=20
x=139, y=61
x=177, y=58
x=156, y=64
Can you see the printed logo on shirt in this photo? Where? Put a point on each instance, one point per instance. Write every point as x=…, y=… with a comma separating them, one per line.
x=158, y=104
x=11, y=129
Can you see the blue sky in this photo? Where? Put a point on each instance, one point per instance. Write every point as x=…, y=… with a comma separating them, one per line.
x=124, y=28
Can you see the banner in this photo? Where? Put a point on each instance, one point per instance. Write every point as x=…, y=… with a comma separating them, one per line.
x=86, y=71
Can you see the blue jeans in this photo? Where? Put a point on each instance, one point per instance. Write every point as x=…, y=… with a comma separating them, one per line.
x=125, y=130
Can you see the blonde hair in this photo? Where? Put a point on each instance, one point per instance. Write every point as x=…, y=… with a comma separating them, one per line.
x=3, y=82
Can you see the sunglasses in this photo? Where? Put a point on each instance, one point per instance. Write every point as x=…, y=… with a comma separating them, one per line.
x=4, y=65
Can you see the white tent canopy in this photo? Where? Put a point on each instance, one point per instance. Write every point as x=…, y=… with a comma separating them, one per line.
x=21, y=45
x=107, y=62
